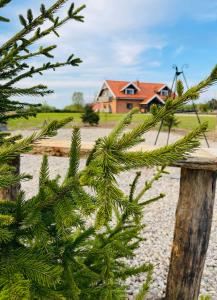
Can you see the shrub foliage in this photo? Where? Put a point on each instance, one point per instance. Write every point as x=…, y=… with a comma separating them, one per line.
x=90, y=116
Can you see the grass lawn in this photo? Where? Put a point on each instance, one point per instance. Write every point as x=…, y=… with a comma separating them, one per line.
x=190, y=121
x=187, y=122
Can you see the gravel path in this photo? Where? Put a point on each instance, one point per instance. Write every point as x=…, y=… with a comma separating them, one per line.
x=159, y=217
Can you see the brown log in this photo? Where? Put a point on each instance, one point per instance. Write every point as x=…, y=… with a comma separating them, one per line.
x=192, y=231
x=12, y=192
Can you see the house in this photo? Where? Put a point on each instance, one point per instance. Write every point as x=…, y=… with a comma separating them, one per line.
x=122, y=96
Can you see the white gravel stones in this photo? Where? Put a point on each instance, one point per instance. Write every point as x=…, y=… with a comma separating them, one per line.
x=159, y=218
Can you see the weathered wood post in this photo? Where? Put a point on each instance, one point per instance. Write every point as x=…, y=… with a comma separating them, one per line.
x=192, y=228
x=12, y=192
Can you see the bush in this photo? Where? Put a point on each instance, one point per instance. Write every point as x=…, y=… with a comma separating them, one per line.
x=89, y=116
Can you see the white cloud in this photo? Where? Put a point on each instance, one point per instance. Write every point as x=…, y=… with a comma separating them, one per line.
x=63, y=83
x=128, y=53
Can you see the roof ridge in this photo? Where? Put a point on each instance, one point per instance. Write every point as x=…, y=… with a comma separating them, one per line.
x=135, y=81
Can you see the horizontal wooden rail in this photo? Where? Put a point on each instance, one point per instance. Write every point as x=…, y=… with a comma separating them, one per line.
x=203, y=158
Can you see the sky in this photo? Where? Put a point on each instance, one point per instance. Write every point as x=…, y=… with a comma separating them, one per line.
x=126, y=40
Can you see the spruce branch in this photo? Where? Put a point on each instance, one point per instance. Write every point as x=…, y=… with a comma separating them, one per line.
x=3, y=19
x=42, y=51
x=74, y=153
x=152, y=200
x=5, y=235
x=38, y=90
x=166, y=155
x=37, y=35
x=10, y=71
x=148, y=184
x=145, y=287
x=133, y=186
x=36, y=22
x=4, y=3
x=44, y=172
x=36, y=268
x=9, y=152
x=73, y=62
x=7, y=180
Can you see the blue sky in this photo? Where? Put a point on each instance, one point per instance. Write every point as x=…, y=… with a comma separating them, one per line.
x=128, y=40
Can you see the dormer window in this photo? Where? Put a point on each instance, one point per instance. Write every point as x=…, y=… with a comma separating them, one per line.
x=129, y=91
x=164, y=93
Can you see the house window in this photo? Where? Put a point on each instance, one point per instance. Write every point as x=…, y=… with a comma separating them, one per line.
x=164, y=93
x=129, y=91
x=129, y=105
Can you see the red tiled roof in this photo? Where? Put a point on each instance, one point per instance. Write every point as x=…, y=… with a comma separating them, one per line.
x=145, y=93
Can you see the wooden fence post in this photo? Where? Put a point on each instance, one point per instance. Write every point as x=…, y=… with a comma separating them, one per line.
x=192, y=231
x=12, y=192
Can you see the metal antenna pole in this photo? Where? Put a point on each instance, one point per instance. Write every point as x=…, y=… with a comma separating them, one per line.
x=168, y=136
x=177, y=74
x=161, y=124
x=158, y=133
x=195, y=110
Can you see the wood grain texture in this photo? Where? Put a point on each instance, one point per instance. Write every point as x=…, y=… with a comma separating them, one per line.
x=192, y=231
x=11, y=193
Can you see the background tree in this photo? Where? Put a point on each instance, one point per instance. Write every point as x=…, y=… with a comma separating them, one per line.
x=77, y=103
x=78, y=100
x=212, y=104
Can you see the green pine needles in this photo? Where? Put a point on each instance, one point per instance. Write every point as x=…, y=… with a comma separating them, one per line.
x=17, y=52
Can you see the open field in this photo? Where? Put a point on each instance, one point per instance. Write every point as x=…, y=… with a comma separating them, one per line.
x=187, y=121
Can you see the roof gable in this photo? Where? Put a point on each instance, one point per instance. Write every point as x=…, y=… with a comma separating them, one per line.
x=130, y=84
x=146, y=90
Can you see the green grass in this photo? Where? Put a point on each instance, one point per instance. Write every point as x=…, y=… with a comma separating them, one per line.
x=39, y=120
x=187, y=122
